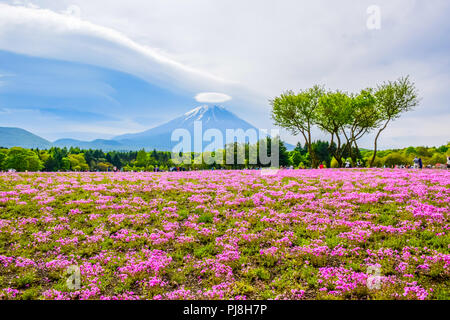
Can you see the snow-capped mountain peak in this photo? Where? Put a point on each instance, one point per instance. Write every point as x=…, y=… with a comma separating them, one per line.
x=211, y=117
x=205, y=112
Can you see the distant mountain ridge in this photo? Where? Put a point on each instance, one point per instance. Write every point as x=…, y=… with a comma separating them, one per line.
x=159, y=137
x=17, y=137
x=103, y=144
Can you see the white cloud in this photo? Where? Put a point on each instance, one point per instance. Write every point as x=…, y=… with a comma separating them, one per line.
x=2, y=78
x=212, y=97
x=46, y=33
x=73, y=10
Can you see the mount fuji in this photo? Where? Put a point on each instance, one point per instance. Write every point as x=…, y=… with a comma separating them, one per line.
x=211, y=117
x=159, y=137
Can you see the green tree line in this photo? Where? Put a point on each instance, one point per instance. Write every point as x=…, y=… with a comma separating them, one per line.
x=75, y=159
x=431, y=156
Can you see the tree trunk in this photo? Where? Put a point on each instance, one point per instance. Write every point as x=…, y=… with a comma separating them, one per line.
x=350, y=151
x=348, y=146
x=339, y=151
x=374, y=150
x=312, y=154
x=357, y=151
x=309, y=147
x=375, y=143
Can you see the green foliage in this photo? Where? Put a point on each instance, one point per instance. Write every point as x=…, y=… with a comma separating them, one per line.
x=62, y=159
x=3, y=155
x=262, y=273
x=389, y=158
x=205, y=251
x=394, y=158
x=298, y=113
x=239, y=154
x=31, y=294
x=26, y=279
x=334, y=163
x=206, y=217
x=78, y=162
x=296, y=158
x=346, y=117
x=438, y=158
x=22, y=160
x=104, y=166
x=142, y=158
x=393, y=99
x=322, y=152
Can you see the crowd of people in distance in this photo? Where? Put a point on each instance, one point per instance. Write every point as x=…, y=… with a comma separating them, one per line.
x=417, y=164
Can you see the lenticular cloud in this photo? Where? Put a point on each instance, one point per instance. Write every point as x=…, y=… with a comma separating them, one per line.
x=212, y=97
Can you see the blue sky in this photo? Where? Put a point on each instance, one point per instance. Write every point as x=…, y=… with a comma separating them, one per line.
x=94, y=69
x=70, y=94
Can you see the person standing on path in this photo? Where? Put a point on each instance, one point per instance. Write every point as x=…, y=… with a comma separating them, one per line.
x=416, y=162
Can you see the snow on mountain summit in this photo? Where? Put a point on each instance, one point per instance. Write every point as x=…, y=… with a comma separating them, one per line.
x=205, y=112
x=210, y=116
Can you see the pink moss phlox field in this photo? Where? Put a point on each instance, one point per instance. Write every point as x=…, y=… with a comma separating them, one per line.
x=299, y=234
